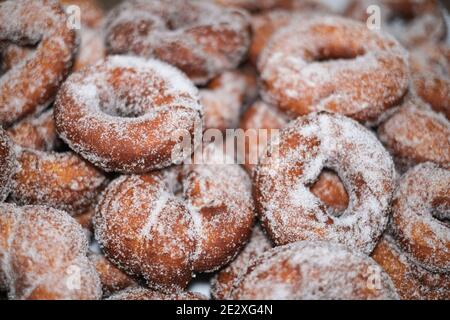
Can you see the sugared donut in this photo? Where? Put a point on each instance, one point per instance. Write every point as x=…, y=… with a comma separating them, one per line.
x=258, y=116
x=336, y=65
x=92, y=48
x=8, y=164
x=111, y=278
x=127, y=114
x=421, y=215
x=412, y=22
x=222, y=283
x=411, y=281
x=225, y=97
x=430, y=71
x=314, y=270
x=198, y=37
x=414, y=134
x=43, y=255
x=60, y=180
x=173, y=230
x=291, y=212
x=31, y=85
x=138, y=293
x=38, y=133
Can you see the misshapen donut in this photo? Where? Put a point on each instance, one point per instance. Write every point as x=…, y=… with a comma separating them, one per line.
x=60, y=180
x=43, y=255
x=420, y=216
x=430, y=71
x=414, y=135
x=198, y=37
x=223, y=282
x=8, y=164
x=31, y=85
x=126, y=113
x=411, y=281
x=38, y=133
x=412, y=22
x=225, y=97
x=314, y=270
x=291, y=212
x=168, y=237
x=138, y=293
x=337, y=65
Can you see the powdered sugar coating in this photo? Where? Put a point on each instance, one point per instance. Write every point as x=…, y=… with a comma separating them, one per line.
x=312, y=271
x=198, y=37
x=8, y=164
x=411, y=281
x=31, y=85
x=148, y=229
x=415, y=134
x=139, y=293
x=420, y=215
x=43, y=255
x=124, y=114
x=295, y=78
x=289, y=210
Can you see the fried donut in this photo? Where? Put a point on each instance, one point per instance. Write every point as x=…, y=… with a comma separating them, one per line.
x=412, y=22
x=8, y=165
x=414, y=135
x=38, y=133
x=411, y=281
x=421, y=214
x=92, y=48
x=138, y=293
x=30, y=86
x=337, y=65
x=43, y=255
x=430, y=70
x=314, y=270
x=225, y=97
x=125, y=114
x=222, y=283
x=60, y=180
x=291, y=212
x=169, y=236
x=111, y=278
x=199, y=37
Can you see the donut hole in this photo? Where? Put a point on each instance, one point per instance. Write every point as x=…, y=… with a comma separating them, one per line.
x=330, y=189
x=442, y=214
x=123, y=109
x=343, y=52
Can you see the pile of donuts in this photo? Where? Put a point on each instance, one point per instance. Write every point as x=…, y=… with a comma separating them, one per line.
x=349, y=198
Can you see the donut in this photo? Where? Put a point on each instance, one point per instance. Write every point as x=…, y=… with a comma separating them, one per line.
x=314, y=271
x=420, y=216
x=112, y=279
x=414, y=135
x=412, y=22
x=138, y=293
x=43, y=255
x=36, y=80
x=224, y=98
x=222, y=283
x=168, y=237
x=337, y=65
x=92, y=48
x=126, y=114
x=8, y=165
x=60, y=180
x=411, y=281
x=198, y=37
x=290, y=212
x=269, y=5
x=38, y=133
x=430, y=71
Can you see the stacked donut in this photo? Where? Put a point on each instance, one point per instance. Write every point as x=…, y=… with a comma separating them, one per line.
x=114, y=184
